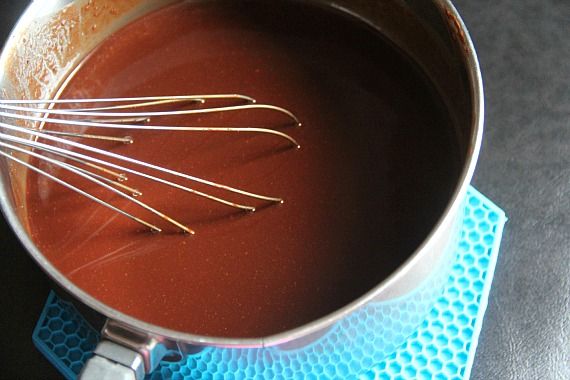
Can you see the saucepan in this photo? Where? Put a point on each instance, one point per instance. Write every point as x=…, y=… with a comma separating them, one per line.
x=52, y=36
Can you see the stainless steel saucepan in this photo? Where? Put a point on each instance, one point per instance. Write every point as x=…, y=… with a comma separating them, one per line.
x=52, y=37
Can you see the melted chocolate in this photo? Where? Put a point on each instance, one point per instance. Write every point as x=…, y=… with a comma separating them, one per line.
x=376, y=167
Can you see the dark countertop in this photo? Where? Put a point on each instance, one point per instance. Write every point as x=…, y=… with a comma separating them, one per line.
x=524, y=49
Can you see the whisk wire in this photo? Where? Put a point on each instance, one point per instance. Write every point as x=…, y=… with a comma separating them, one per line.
x=87, y=112
x=133, y=100
x=118, y=113
x=93, y=124
x=51, y=148
x=74, y=188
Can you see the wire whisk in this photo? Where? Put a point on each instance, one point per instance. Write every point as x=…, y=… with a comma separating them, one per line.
x=128, y=113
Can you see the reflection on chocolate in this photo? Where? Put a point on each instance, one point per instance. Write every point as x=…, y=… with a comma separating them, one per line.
x=376, y=167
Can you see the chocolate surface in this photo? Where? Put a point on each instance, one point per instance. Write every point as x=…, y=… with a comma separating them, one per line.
x=375, y=170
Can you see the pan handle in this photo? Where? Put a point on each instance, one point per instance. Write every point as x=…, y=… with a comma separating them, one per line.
x=124, y=354
x=111, y=361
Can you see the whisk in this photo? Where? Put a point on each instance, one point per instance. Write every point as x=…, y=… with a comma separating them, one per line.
x=132, y=113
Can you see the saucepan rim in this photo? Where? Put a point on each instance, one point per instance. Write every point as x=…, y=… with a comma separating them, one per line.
x=453, y=208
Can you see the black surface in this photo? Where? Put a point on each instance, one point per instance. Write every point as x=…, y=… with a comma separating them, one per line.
x=524, y=49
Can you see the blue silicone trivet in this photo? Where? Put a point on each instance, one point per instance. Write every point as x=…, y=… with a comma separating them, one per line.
x=443, y=347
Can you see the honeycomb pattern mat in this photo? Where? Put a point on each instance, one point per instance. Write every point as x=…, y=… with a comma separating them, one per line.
x=442, y=347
